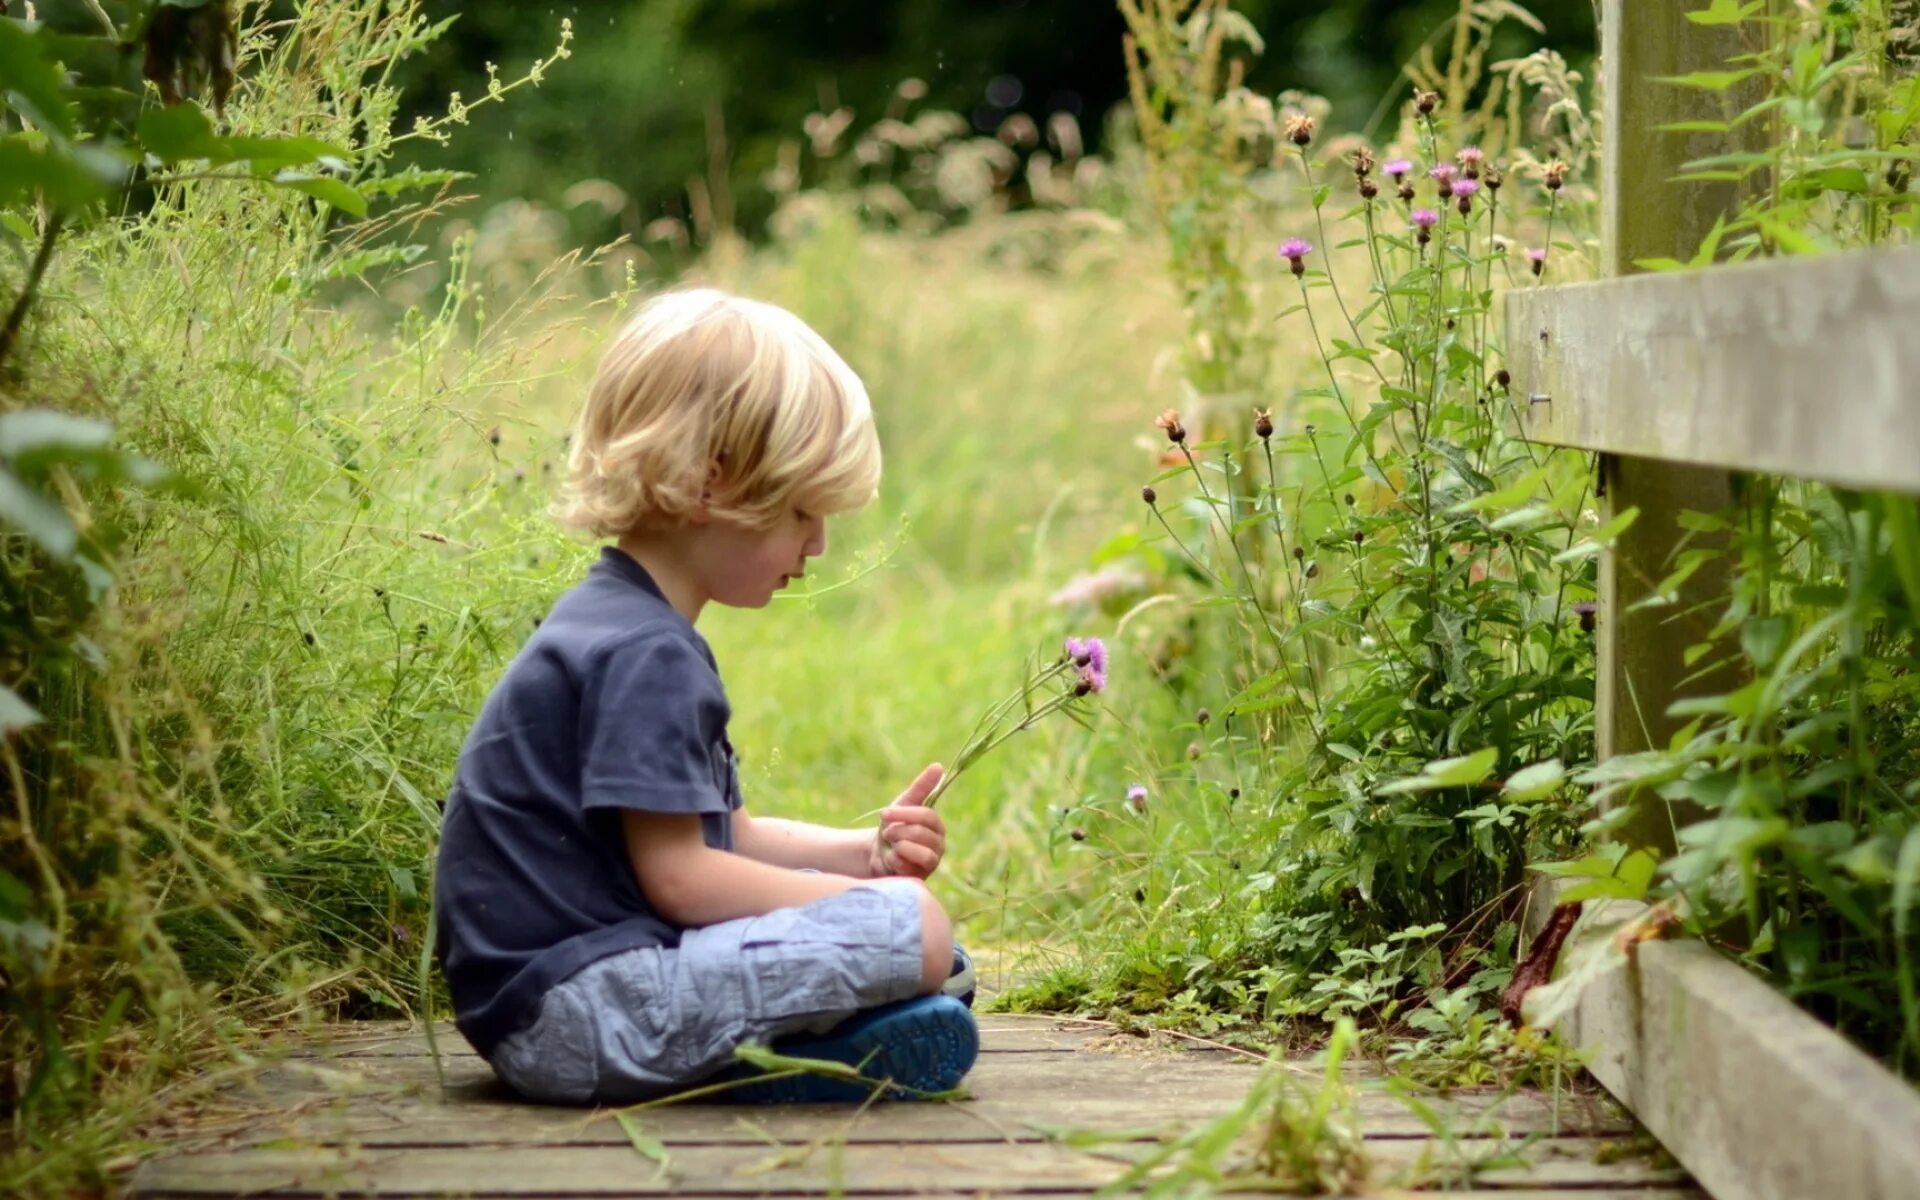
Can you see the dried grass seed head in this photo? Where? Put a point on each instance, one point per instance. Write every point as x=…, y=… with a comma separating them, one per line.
x=706, y=398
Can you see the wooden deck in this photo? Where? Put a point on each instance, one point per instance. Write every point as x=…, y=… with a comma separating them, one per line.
x=364, y=1114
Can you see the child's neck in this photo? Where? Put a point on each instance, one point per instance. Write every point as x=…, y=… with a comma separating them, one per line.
x=666, y=562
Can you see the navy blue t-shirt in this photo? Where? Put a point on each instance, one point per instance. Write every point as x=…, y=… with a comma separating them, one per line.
x=614, y=703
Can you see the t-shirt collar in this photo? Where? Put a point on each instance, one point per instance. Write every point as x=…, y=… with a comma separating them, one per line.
x=618, y=562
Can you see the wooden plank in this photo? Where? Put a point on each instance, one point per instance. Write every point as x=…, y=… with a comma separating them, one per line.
x=1802, y=367
x=829, y=1169
x=1015, y=1097
x=1755, y=1097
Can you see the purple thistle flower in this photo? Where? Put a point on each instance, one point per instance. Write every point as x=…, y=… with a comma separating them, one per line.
x=1097, y=652
x=1472, y=156
x=1397, y=167
x=1425, y=218
x=1537, y=255
x=1079, y=652
x=1442, y=173
x=1137, y=798
x=1463, y=191
x=1090, y=681
x=1294, y=250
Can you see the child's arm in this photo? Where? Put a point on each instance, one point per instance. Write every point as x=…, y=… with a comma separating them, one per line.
x=692, y=884
x=910, y=841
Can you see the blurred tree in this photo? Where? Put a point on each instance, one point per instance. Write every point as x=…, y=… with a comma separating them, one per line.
x=656, y=87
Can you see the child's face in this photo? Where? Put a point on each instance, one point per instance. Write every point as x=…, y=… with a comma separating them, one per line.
x=745, y=567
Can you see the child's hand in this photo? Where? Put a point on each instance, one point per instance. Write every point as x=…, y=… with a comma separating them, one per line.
x=912, y=837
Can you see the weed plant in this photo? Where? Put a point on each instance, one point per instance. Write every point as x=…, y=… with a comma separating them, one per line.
x=1377, y=598
x=1793, y=795
x=225, y=818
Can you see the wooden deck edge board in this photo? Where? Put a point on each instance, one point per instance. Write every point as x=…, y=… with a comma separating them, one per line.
x=1756, y=1098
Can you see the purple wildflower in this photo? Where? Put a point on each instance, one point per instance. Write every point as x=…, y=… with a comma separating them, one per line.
x=1537, y=255
x=1424, y=219
x=1442, y=173
x=1463, y=191
x=1294, y=250
x=1090, y=655
x=1471, y=156
x=1586, y=610
x=1137, y=798
x=1396, y=167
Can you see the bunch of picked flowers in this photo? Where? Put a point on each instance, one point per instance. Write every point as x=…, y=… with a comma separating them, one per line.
x=1079, y=672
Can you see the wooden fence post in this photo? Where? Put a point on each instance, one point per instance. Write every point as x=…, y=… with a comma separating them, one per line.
x=1646, y=214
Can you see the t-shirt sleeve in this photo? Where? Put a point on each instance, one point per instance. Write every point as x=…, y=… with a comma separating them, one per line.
x=653, y=718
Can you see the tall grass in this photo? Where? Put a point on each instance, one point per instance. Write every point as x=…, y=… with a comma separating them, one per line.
x=233, y=805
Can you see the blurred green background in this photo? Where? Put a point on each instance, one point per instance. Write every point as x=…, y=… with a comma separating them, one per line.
x=653, y=83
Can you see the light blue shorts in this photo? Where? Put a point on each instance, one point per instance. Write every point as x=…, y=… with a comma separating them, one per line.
x=644, y=1023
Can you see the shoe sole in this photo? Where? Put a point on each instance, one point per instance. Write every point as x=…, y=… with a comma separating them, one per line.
x=922, y=1045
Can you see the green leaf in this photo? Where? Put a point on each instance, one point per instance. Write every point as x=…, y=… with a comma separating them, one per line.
x=67, y=177
x=1903, y=525
x=1627, y=881
x=1906, y=880
x=176, y=133
x=1838, y=179
x=644, y=1144
x=31, y=81
x=15, y=714
x=1725, y=12
x=1764, y=637
x=1515, y=493
x=1448, y=772
x=40, y=430
x=1535, y=781
x=1712, y=81
x=1600, y=538
x=326, y=190
x=37, y=516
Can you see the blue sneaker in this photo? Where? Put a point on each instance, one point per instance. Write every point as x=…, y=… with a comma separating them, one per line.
x=959, y=985
x=926, y=1044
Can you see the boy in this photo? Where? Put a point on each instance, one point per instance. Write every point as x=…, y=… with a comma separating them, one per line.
x=612, y=923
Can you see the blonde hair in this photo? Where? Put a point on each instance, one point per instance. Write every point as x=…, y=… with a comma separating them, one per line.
x=699, y=377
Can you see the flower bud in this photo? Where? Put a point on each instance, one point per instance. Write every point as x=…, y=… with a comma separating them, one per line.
x=1170, y=421
x=1077, y=834
x=1148, y=494
x=1262, y=423
x=1425, y=102
x=1368, y=190
x=1503, y=378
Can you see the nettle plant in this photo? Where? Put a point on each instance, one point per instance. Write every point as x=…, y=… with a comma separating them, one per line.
x=1408, y=583
x=1796, y=792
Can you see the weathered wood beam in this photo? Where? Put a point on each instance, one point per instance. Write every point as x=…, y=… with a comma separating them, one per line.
x=1802, y=367
x=1756, y=1098
x=1647, y=213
